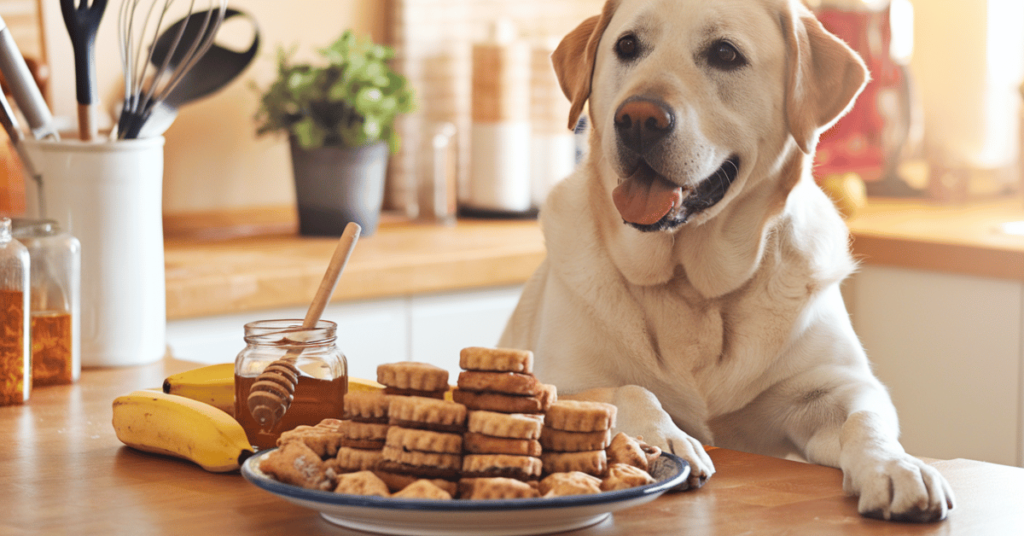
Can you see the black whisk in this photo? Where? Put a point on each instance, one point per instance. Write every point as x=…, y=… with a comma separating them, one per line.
x=145, y=87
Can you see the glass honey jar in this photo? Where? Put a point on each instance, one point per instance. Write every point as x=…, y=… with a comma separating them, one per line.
x=55, y=280
x=321, y=385
x=15, y=344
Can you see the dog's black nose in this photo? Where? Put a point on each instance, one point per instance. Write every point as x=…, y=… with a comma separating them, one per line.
x=641, y=122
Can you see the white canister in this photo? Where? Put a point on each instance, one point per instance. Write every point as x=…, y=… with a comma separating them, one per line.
x=499, y=177
x=109, y=196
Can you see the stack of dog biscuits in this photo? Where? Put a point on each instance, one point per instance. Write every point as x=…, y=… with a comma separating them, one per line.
x=506, y=403
x=424, y=441
x=411, y=378
x=363, y=431
x=575, y=436
x=501, y=380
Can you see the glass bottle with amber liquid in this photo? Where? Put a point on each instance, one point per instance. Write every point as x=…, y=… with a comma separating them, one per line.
x=15, y=345
x=55, y=280
x=322, y=383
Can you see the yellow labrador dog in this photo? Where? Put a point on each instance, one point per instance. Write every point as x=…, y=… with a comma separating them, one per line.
x=693, y=266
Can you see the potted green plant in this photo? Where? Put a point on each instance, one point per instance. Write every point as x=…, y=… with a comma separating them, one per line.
x=339, y=118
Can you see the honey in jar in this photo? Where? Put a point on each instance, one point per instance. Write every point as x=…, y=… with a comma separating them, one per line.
x=322, y=381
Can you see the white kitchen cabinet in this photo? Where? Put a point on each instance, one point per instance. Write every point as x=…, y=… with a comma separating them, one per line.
x=431, y=328
x=951, y=350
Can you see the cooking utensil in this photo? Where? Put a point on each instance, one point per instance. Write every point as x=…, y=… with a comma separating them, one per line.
x=146, y=87
x=218, y=67
x=23, y=88
x=271, y=393
x=82, y=21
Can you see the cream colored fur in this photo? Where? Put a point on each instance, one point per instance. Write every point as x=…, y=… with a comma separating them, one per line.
x=730, y=329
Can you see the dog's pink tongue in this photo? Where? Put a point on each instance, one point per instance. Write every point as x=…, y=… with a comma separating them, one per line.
x=645, y=202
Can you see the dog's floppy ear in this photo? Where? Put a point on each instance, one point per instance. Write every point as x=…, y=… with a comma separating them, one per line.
x=574, y=59
x=824, y=76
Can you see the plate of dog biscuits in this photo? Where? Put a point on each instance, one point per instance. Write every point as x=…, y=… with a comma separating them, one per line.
x=497, y=454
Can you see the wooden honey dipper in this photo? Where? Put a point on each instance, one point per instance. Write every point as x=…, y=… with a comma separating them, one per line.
x=272, y=392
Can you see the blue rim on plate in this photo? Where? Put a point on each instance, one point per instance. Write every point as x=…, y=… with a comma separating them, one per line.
x=669, y=471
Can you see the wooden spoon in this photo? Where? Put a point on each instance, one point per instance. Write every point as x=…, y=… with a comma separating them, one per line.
x=271, y=394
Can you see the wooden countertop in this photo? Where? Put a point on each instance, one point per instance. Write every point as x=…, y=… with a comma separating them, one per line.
x=267, y=265
x=64, y=471
x=215, y=276
x=960, y=239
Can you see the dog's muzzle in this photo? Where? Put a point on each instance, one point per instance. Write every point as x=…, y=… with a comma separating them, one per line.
x=646, y=199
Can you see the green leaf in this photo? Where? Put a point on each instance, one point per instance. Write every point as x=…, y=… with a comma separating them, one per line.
x=352, y=100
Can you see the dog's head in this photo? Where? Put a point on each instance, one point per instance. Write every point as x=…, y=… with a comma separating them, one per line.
x=694, y=101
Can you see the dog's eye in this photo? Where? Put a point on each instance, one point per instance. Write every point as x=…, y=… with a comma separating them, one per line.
x=725, y=56
x=627, y=47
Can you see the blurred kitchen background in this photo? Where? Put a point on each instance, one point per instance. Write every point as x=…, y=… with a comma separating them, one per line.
x=941, y=312
x=941, y=119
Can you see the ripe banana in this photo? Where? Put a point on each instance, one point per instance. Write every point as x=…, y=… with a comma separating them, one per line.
x=162, y=423
x=213, y=384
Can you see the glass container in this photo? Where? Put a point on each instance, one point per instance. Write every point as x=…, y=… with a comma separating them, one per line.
x=322, y=384
x=15, y=347
x=55, y=283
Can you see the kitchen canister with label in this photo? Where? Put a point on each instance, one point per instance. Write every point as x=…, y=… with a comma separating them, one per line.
x=15, y=360
x=499, y=178
x=55, y=282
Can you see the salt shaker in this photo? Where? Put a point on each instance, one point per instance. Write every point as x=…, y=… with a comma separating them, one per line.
x=15, y=357
x=55, y=280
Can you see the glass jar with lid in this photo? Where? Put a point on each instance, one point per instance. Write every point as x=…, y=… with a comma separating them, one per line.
x=319, y=392
x=15, y=357
x=54, y=300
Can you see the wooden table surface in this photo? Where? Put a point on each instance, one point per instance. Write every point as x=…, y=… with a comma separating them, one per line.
x=63, y=471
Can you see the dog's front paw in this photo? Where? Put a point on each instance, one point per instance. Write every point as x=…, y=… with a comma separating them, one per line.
x=679, y=443
x=900, y=488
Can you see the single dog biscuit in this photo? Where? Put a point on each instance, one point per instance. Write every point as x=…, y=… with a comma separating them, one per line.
x=594, y=462
x=424, y=440
x=562, y=441
x=365, y=444
x=622, y=476
x=509, y=383
x=430, y=413
x=510, y=425
x=367, y=406
x=322, y=440
x=362, y=483
x=422, y=459
x=352, y=459
x=496, y=360
x=413, y=375
x=295, y=463
x=625, y=449
x=496, y=488
x=394, y=391
x=475, y=443
x=501, y=465
x=423, y=489
x=363, y=430
x=418, y=471
x=572, y=483
x=580, y=416
x=503, y=403
x=398, y=481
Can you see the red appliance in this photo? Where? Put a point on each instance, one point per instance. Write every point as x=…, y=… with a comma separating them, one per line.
x=868, y=140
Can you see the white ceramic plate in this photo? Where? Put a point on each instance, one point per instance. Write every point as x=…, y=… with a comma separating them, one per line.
x=503, y=517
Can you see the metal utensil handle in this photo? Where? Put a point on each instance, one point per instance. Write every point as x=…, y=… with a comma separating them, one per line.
x=24, y=89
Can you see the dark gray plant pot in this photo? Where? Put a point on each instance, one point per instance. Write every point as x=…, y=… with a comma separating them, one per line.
x=336, y=185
